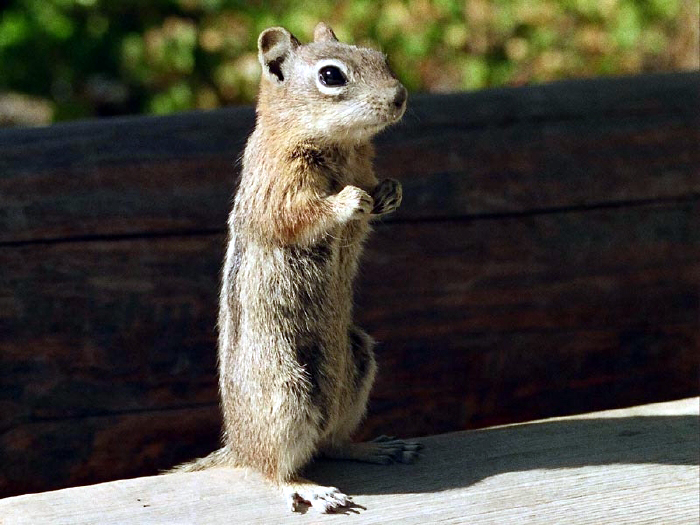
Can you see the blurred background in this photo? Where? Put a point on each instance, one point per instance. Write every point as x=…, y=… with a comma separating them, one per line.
x=72, y=59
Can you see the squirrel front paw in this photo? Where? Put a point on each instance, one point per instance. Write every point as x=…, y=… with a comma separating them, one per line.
x=354, y=202
x=387, y=196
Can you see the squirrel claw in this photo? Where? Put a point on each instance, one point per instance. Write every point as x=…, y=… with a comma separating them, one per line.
x=387, y=196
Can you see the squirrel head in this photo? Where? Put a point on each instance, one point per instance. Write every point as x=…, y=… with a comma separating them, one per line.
x=326, y=90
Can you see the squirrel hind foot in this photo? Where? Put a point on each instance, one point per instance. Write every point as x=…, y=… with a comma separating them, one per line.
x=383, y=450
x=300, y=493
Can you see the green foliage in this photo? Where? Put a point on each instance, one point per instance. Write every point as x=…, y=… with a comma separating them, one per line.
x=102, y=57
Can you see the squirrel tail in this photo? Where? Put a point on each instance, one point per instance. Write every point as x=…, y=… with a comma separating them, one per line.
x=219, y=458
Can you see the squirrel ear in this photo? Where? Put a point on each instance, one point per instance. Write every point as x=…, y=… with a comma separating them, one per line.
x=274, y=47
x=324, y=33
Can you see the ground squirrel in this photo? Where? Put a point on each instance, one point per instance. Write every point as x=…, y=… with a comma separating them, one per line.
x=294, y=371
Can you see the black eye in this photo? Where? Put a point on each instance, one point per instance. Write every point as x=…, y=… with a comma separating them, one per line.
x=332, y=76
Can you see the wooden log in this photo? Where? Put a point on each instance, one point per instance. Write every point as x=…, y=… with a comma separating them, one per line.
x=633, y=466
x=506, y=319
x=570, y=144
x=545, y=262
x=50, y=453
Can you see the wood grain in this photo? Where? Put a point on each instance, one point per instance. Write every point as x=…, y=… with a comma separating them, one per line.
x=634, y=466
x=569, y=144
x=50, y=453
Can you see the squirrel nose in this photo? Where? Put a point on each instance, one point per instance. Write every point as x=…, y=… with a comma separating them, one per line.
x=400, y=97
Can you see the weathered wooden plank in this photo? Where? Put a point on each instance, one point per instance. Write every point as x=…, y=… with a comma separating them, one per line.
x=569, y=144
x=630, y=466
x=480, y=322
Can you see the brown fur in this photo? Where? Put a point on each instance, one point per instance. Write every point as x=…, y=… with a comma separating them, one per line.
x=294, y=371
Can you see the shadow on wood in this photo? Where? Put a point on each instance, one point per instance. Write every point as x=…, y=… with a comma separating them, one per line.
x=460, y=460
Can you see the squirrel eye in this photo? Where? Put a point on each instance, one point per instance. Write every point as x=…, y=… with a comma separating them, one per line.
x=332, y=76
